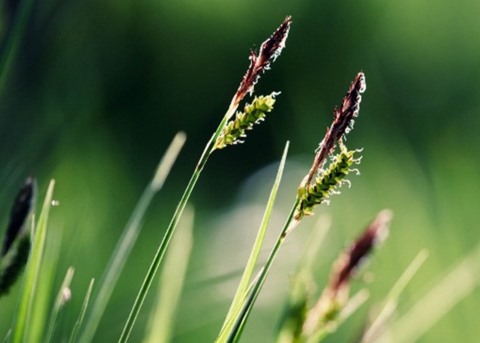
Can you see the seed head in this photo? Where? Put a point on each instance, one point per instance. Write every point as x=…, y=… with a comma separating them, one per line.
x=335, y=296
x=252, y=114
x=268, y=53
x=342, y=124
x=326, y=183
x=21, y=209
x=352, y=258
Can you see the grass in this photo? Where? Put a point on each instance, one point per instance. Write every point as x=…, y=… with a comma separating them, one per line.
x=309, y=316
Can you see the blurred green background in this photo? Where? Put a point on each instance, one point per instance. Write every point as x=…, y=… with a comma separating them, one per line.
x=97, y=89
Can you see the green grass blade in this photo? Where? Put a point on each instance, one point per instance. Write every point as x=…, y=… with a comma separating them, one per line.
x=446, y=293
x=128, y=239
x=59, y=302
x=83, y=310
x=393, y=296
x=301, y=284
x=12, y=39
x=22, y=321
x=158, y=257
x=43, y=295
x=241, y=292
x=162, y=318
x=240, y=321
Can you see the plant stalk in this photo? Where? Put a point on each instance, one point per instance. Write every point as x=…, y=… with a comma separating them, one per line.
x=260, y=280
x=157, y=259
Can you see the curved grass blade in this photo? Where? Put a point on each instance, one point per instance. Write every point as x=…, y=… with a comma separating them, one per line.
x=129, y=237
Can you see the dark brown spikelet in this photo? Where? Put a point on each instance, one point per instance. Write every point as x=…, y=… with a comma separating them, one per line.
x=21, y=209
x=342, y=124
x=269, y=51
x=351, y=259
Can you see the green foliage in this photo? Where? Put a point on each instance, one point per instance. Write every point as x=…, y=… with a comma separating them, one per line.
x=91, y=104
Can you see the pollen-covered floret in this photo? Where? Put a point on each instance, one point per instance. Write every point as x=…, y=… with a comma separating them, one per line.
x=326, y=183
x=252, y=114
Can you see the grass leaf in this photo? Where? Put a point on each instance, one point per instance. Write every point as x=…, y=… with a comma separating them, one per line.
x=241, y=292
x=59, y=302
x=22, y=321
x=81, y=315
x=162, y=318
x=449, y=291
x=393, y=296
x=128, y=238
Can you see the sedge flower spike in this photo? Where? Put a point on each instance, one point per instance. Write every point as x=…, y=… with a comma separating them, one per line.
x=314, y=191
x=335, y=296
x=347, y=264
x=342, y=124
x=16, y=243
x=326, y=182
x=21, y=210
x=253, y=113
x=269, y=51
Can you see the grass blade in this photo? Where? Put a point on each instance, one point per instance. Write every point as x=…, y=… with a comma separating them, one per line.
x=79, y=321
x=59, y=302
x=247, y=307
x=171, y=283
x=391, y=301
x=22, y=321
x=241, y=292
x=446, y=293
x=162, y=248
x=129, y=237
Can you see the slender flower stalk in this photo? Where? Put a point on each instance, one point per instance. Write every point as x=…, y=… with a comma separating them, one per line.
x=269, y=51
x=309, y=195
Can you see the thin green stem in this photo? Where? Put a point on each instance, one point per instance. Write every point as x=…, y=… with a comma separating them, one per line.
x=83, y=310
x=250, y=301
x=242, y=289
x=157, y=259
x=59, y=302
